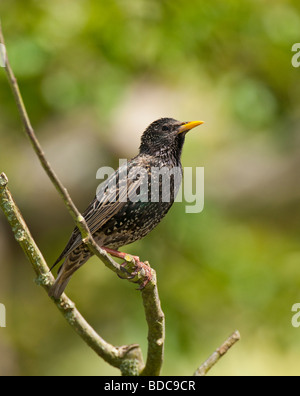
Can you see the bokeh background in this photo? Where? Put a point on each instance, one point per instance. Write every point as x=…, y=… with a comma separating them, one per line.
x=93, y=75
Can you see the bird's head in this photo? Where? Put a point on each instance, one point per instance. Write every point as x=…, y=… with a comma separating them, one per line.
x=166, y=135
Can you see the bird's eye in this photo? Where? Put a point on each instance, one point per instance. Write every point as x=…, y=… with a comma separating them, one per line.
x=165, y=128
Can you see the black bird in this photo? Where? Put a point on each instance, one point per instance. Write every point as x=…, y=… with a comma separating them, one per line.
x=133, y=200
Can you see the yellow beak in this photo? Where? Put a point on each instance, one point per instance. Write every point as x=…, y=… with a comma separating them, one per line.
x=187, y=126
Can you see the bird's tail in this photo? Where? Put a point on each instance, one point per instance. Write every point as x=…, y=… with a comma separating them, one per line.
x=71, y=264
x=57, y=289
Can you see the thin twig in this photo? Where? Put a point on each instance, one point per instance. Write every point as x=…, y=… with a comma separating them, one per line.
x=216, y=356
x=116, y=356
x=87, y=238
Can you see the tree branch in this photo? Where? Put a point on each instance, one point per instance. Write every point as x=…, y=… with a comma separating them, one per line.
x=216, y=356
x=120, y=357
x=156, y=328
x=154, y=314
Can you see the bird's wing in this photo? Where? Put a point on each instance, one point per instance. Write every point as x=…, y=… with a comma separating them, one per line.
x=112, y=196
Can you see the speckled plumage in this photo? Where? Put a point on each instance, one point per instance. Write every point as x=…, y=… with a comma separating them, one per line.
x=132, y=201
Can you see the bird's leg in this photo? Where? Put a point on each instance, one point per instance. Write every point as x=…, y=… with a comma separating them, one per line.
x=120, y=255
x=140, y=270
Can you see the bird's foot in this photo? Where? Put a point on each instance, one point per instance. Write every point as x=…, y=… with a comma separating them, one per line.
x=138, y=272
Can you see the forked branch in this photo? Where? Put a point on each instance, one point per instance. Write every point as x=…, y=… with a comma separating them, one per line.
x=120, y=357
x=149, y=293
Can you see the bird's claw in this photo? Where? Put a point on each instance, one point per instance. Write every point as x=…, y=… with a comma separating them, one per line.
x=139, y=270
x=143, y=271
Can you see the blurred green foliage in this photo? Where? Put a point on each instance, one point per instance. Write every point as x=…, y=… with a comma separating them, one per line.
x=93, y=74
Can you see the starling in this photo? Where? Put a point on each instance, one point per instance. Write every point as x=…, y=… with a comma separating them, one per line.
x=133, y=200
